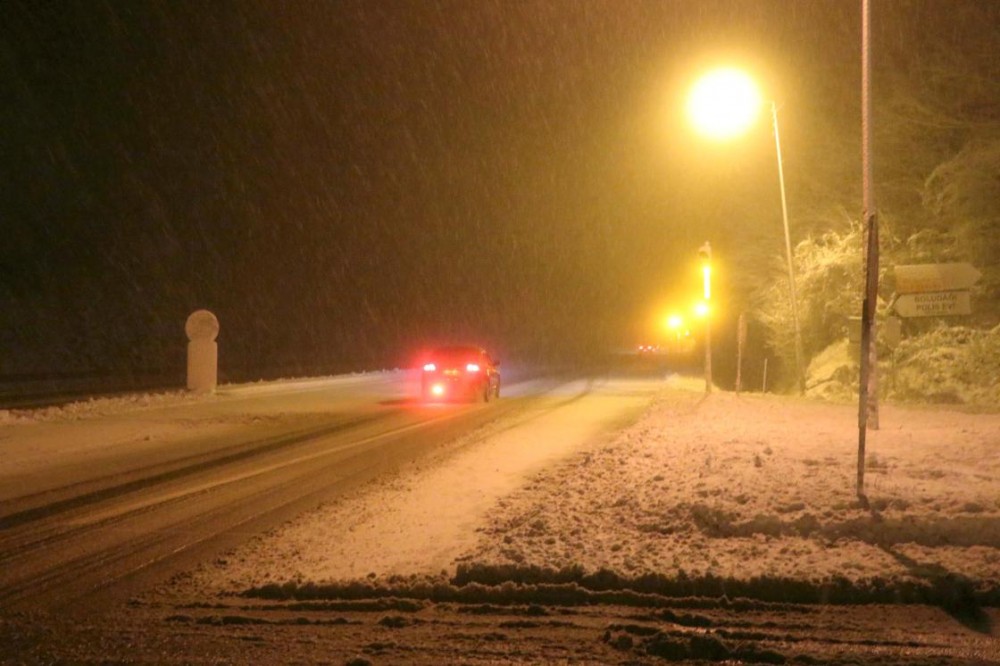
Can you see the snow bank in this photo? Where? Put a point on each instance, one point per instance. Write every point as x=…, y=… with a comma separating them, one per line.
x=111, y=406
x=101, y=407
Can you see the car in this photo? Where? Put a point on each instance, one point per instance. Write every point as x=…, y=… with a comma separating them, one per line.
x=460, y=372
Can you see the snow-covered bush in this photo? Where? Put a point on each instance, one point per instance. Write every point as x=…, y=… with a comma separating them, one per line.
x=833, y=373
x=828, y=280
x=949, y=364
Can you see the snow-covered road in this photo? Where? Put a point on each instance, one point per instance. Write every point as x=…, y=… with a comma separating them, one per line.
x=421, y=521
x=615, y=520
x=99, y=491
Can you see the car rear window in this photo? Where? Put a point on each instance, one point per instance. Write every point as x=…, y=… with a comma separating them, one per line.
x=456, y=354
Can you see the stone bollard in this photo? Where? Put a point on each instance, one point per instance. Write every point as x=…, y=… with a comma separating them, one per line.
x=203, y=352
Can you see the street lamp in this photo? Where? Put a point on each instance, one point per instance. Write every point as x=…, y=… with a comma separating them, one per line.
x=705, y=252
x=799, y=375
x=723, y=104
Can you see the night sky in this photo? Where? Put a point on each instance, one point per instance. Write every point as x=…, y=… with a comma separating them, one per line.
x=344, y=182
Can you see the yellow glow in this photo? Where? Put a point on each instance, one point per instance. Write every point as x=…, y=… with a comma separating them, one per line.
x=706, y=272
x=701, y=309
x=674, y=322
x=724, y=103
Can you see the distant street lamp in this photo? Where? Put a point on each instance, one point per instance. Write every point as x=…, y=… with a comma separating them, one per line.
x=723, y=104
x=675, y=325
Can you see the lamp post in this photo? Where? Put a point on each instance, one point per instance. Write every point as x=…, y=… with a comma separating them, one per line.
x=725, y=103
x=705, y=252
x=799, y=375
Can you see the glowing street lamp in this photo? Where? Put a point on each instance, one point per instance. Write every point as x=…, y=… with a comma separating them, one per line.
x=723, y=104
x=677, y=328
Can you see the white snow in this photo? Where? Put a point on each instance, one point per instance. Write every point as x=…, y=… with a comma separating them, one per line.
x=692, y=485
x=423, y=520
x=737, y=487
x=91, y=408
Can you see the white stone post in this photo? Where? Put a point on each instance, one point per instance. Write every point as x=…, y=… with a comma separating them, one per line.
x=203, y=351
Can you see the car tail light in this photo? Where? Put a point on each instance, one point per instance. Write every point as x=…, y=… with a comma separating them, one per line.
x=472, y=367
x=429, y=367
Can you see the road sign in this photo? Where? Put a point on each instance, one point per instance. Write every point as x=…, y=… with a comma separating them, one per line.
x=935, y=304
x=923, y=278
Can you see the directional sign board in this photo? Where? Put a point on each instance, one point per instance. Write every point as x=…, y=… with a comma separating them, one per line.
x=935, y=304
x=923, y=278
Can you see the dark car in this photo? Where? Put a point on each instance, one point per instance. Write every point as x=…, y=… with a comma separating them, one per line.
x=460, y=373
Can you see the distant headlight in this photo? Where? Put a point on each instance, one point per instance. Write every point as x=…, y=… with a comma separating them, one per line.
x=472, y=367
x=429, y=367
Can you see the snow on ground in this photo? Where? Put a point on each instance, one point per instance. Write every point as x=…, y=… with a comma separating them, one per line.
x=422, y=520
x=725, y=486
x=97, y=407
x=742, y=487
x=92, y=408
x=735, y=487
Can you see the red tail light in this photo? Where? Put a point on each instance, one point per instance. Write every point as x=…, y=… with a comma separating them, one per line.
x=429, y=367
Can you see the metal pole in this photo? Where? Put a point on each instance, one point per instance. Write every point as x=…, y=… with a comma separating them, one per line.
x=706, y=253
x=708, y=353
x=741, y=338
x=871, y=220
x=799, y=374
x=868, y=380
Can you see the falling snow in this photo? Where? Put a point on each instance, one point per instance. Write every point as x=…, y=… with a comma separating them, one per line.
x=342, y=182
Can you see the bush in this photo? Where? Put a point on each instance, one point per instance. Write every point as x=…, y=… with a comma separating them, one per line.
x=950, y=364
